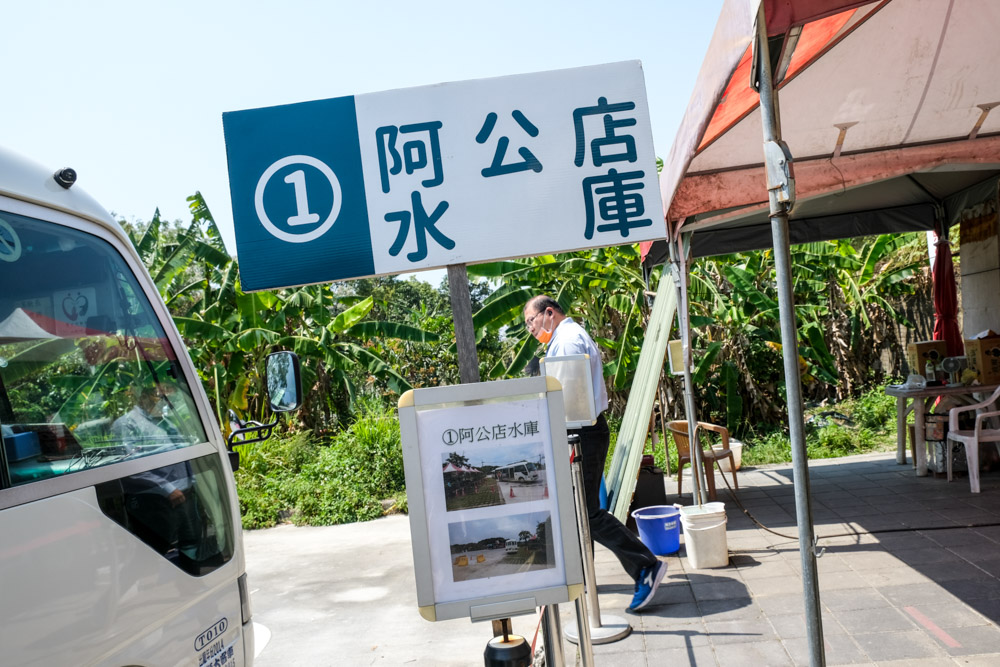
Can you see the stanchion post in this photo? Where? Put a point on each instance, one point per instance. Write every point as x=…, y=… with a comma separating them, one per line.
x=583, y=631
x=552, y=636
x=603, y=629
x=586, y=542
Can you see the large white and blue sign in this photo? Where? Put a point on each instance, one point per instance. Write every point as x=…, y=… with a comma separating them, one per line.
x=420, y=178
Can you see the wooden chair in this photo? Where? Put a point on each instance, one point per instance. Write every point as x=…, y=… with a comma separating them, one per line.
x=972, y=439
x=679, y=432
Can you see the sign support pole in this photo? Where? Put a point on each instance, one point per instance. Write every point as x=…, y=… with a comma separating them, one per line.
x=468, y=365
x=465, y=332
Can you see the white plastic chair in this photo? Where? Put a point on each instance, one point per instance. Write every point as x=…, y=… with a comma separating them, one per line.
x=972, y=439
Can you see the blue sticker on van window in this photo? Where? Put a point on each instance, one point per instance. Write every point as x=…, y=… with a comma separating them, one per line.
x=10, y=243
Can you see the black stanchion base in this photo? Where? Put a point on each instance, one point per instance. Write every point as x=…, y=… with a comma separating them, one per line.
x=514, y=652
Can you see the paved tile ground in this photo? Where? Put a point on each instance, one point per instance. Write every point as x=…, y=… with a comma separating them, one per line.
x=927, y=593
x=903, y=580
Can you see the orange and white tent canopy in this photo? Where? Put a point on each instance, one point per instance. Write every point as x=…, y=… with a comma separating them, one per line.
x=887, y=108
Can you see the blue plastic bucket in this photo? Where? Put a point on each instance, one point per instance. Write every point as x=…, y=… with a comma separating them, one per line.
x=659, y=528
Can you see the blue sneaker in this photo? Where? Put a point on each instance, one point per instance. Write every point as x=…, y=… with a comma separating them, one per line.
x=645, y=587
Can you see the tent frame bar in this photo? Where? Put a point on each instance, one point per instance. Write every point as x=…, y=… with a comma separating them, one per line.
x=789, y=348
x=679, y=248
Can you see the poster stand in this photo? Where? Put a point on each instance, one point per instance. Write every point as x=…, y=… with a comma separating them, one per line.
x=490, y=498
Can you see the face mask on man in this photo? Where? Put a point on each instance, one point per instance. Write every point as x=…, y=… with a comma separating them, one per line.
x=545, y=334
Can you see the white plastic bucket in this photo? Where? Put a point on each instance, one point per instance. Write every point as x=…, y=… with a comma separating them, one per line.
x=736, y=447
x=705, y=535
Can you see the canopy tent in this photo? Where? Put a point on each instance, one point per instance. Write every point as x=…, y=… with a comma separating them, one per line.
x=22, y=325
x=885, y=111
x=887, y=108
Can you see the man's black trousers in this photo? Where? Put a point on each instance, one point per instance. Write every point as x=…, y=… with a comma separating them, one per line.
x=604, y=527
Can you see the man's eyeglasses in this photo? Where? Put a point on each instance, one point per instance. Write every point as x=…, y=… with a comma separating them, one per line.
x=529, y=321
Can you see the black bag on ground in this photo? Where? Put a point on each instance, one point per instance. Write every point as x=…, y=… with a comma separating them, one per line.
x=649, y=490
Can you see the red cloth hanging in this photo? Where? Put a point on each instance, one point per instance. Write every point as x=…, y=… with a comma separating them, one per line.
x=946, y=300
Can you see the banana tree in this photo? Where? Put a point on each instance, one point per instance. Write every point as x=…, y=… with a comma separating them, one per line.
x=843, y=294
x=229, y=332
x=603, y=288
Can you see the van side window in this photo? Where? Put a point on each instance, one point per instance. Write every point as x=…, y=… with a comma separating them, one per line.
x=180, y=510
x=87, y=375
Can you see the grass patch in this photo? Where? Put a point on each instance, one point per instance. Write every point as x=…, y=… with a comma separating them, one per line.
x=854, y=426
x=487, y=495
x=297, y=479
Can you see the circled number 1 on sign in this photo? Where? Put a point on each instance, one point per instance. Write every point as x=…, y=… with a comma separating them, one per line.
x=297, y=179
x=302, y=215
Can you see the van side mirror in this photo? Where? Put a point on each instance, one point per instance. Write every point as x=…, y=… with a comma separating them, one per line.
x=284, y=381
x=284, y=393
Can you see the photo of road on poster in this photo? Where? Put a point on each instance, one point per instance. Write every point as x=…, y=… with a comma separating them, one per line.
x=504, y=545
x=481, y=476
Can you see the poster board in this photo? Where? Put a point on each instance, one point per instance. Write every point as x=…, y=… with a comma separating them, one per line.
x=490, y=495
x=573, y=373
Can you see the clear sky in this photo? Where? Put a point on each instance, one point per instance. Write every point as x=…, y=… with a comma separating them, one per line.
x=463, y=532
x=497, y=456
x=131, y=94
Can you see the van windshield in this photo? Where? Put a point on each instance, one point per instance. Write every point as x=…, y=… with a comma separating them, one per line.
x=87, y=375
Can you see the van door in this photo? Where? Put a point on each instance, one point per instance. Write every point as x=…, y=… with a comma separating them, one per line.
x=119, y=539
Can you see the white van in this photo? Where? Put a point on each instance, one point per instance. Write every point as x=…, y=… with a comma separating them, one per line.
x=120, y=538
x=522, y=471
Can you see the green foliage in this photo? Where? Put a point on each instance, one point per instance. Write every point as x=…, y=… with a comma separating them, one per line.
x=361, y=341
x=603, y=289
x=773, y=447
x=843, y=291
x=875, y=409
x=854, y=426
x=294, y=478
x=229, y=332
x=265, y=478
x=372, y=442
x=430, y=361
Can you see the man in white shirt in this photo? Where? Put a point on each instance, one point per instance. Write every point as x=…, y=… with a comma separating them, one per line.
x=547, y=322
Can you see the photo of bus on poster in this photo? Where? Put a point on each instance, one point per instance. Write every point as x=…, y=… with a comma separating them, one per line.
x=478, y=477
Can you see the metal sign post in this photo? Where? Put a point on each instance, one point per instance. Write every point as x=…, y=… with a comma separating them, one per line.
x=465, y=332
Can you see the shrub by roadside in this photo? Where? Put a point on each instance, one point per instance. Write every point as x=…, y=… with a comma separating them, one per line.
x=296, y=479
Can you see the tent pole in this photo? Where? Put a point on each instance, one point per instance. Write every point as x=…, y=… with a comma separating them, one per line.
x=789, y=340
x=678, y=263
